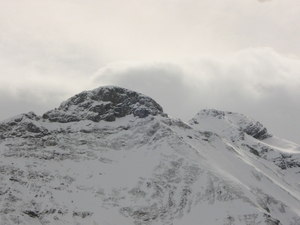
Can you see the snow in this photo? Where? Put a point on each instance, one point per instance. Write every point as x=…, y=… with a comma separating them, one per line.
x=283, y=145
x=152, y=170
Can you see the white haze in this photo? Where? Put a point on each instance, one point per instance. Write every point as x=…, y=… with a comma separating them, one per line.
x=188, y=55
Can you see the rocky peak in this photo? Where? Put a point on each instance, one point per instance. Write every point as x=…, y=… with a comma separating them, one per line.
x=104, y=103
x=233, y=120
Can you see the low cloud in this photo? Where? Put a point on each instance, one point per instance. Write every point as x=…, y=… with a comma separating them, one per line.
x=164, y=82
x=51, y=50
x=257, y=82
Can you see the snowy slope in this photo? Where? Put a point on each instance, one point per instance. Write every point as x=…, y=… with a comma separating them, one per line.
x=111, y=156
x=252, y=137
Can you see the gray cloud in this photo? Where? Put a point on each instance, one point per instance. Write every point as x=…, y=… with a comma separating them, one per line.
x=164, y=82
x=49, y=51
x=12, y=106
x=257, y=82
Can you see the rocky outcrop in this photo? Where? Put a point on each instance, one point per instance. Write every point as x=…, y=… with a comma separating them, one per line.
x=256, y=130
x=24, y=125
x=104, y=103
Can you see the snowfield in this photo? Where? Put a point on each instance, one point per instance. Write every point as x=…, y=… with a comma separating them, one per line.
x=111, y=156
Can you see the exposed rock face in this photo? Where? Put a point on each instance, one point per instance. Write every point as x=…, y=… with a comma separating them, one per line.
x=104, y=103
x=257, y=130
x=24, y=125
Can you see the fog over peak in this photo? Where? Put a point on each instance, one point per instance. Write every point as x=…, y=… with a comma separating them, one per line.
x=239, y=56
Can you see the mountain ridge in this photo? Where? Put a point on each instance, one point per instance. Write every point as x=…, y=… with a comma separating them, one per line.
x=144, y=167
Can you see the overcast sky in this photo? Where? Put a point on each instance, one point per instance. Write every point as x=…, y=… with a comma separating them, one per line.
x=233, y=55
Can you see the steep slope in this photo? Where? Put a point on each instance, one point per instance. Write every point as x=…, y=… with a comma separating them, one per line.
x=252, y=137
x=111, y=156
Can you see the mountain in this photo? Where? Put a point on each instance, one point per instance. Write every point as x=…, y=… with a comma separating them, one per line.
x=111, y=156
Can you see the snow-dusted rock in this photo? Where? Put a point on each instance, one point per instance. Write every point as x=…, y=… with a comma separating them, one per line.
x=24, y=125
x=111, y=156
x=104, y=103
x=232, y=120
x=248, y=134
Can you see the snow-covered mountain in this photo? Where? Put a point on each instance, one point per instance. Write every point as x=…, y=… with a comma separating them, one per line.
x=111, y=156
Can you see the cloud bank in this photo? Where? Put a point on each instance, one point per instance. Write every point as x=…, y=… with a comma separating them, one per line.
x=257, y=82
x=230, y=55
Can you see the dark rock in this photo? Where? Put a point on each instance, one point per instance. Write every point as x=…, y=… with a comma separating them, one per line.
x=286, y=161
x=31, y=213
x=32, y=116
x=271, y=221
x=32, y=128
x=253, y=151
x=141, y=112
x=22, y=126
x=104, y=103
x=213, y=112
x=257, y=131
x=109, y=118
